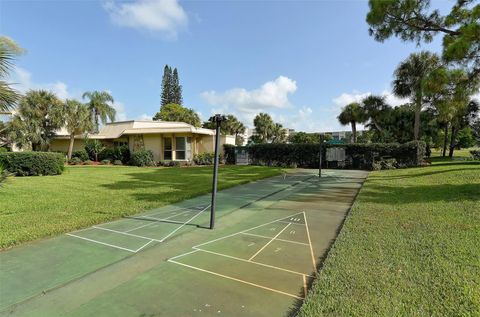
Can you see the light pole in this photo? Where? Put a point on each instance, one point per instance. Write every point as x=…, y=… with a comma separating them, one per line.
x=320, y=156
x=217, y=119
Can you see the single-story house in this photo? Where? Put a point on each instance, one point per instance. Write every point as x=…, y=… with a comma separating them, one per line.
x=177, y=141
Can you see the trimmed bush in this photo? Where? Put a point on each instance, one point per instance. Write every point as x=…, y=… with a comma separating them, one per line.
x=142, y=158
x=117, y=162
x=203, y=159
x=32, y=163
x=81, y=154
x=75, y=161
x=105, y=162
x=88, y=162
x=358, y=156
x=475, y=154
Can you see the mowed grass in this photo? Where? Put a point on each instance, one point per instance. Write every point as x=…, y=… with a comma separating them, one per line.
x=37, y=207
x=409, y=247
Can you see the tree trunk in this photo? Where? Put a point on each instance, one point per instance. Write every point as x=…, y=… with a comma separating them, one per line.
x=96, y=121
x=416, y=127
x=453, y=136
x=354, y=132
x=445, y=140
x=70, y=147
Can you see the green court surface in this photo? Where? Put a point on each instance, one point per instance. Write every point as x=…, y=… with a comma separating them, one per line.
x=269, y=239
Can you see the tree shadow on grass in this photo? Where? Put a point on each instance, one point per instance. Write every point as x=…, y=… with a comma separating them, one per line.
x=394, y=195
x=429, y=170
x=168, y=185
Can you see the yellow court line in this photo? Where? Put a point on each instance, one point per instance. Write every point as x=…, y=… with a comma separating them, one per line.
x=310, y=242
x=253, y=262
x=238, y=280
x=268, y=242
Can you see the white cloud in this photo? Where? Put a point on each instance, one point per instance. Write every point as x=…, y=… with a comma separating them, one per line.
x=24, y=82
x=144, y=117
x=166, y=17
x=347, y=98
x=356, y=96
x=119, y=107
x=247, y=103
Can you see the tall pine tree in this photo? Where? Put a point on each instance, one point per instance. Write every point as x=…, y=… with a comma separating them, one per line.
x=166, y=96
x=176, y=88
x=171, y=88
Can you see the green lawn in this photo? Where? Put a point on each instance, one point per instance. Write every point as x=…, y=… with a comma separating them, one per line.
x=409, y=247
x=37, y=207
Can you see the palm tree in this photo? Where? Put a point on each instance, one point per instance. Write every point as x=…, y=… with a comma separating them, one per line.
x=36, y=120
x=352, y=114
x=100, y=106
x=77, y=120
x=411, y=76
x=279, y=133
x=8, y=96
x=234, y=127
x=374, y=107
x=263, y=127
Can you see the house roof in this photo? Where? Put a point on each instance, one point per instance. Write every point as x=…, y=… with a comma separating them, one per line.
x=115, y=130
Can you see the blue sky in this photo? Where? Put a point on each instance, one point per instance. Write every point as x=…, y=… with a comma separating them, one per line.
x=300, y=61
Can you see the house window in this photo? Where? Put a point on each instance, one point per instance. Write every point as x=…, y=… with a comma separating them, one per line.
x=181, y=146
x=120, y=143
x=167, y=148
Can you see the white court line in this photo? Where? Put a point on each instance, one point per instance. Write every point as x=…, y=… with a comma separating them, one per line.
x=125, y=233
x=107, y=244
x=310, y=241
x=246, y=230
x=269, y=242
x=292, y=223
x=143, y=246
x=184, y=254
x=198, y=214
x=265, y=237
x=236, y=279
x=157, y=219
x=258, y=263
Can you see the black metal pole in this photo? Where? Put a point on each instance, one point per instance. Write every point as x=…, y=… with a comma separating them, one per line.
x=320, y=157
x=215, y=173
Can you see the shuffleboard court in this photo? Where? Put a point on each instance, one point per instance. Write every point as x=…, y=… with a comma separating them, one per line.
x=259, y=261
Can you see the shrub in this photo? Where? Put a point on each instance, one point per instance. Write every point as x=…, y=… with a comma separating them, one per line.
x=117, y=162
x=142, y=158
x=360, y=156
x=3, y=174
x=204, y=158
x=162, y=163
x=32, y=163
x=3, y=150
x=81, y=154
x=229, y=151
x=93, y=148
x=105, y=162
x=75, y=161
x=121, y=153
x=475, y=154
x=88, y=162
x=174, y=164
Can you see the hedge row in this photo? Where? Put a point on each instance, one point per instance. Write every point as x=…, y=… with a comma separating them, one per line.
x=32, y=163
x=358, y=156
